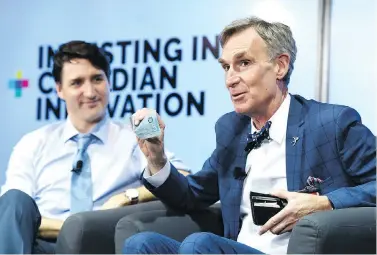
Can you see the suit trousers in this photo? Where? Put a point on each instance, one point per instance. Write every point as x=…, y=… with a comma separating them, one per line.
x=19, y=223
x=198, y=243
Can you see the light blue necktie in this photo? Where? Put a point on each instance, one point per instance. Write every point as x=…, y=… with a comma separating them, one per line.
x=81, y=182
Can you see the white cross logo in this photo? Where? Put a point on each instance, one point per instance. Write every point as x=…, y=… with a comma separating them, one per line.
x=295, y=139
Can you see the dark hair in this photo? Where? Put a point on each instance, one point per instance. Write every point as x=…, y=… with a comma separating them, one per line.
x=79, y=49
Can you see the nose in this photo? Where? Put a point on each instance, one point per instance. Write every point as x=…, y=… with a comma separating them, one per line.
x=232, y=78
x=89, y=90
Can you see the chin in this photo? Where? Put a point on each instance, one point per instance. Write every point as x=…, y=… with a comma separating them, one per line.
x=95, y=117
x=241, y=108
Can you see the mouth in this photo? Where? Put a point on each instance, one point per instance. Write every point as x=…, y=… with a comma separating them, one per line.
x=91, y=104
x=238, y=96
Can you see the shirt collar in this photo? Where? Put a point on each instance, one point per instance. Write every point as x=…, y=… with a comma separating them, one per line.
x=278, y=121
x=100, y=130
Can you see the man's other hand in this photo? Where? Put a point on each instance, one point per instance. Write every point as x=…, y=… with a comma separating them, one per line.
x=299, y=205
x=116, y=201
x=50, y=228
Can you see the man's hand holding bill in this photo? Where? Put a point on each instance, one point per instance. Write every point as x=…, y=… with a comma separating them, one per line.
x=149, y=129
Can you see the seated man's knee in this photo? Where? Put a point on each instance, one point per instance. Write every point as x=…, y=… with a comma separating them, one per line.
x=141, y=243
x=16, y=195
x=18, y=200
x=196, y=243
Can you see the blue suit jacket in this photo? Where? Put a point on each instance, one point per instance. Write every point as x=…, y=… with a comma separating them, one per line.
x=333, y=146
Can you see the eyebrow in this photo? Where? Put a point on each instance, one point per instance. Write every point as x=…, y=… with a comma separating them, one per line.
x=80, y=78
x=97, y=75
x=76, y=79
x=235, y=56
x=240, y=55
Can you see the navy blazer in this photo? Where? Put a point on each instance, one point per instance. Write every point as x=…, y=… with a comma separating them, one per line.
x=333, y=145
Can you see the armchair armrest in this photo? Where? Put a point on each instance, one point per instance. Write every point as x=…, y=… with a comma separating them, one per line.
x=351, y=230
x=170, y=223
x=93, y=232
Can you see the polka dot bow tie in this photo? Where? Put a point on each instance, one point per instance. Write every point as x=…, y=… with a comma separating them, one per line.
x=255, y=140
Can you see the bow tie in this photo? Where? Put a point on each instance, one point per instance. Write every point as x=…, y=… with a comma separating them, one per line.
x=256, y=139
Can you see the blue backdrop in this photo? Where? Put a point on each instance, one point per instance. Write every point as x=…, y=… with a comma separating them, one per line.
x=163, y=53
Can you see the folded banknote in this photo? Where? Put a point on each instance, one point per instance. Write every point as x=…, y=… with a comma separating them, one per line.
x=148, y=127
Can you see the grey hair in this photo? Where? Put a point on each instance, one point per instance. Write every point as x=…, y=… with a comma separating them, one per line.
x=277, y=36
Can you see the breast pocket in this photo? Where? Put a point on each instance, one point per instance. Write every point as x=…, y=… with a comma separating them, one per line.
x=326, y=186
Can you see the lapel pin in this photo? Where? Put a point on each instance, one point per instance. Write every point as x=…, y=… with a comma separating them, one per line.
x=295, y=139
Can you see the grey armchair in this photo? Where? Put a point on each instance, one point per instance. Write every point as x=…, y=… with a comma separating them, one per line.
x=346, y=231
x=340, y=231
x=93, y=232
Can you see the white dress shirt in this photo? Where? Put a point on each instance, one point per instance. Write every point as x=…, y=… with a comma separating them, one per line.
x=266, y=171
x=41, y=164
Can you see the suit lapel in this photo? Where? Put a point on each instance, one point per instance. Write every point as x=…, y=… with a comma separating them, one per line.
x=294, y=153
x=294, y=144
x=242, y=128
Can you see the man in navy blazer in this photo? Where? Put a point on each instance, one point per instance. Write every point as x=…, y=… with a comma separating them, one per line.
x=310, y=144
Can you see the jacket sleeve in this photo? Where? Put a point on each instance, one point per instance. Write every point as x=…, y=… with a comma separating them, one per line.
x=190, y=192
x=357, y=149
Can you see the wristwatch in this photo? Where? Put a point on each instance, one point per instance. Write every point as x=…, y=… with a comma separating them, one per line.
x=132, y=195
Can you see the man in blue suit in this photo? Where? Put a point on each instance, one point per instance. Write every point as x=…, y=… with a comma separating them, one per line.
x=310, y=146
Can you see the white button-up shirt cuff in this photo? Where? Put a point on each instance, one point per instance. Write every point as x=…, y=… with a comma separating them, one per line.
x=158, y=178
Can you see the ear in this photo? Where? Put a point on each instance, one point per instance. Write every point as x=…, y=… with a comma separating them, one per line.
x=282, y=66
x=59, y=90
